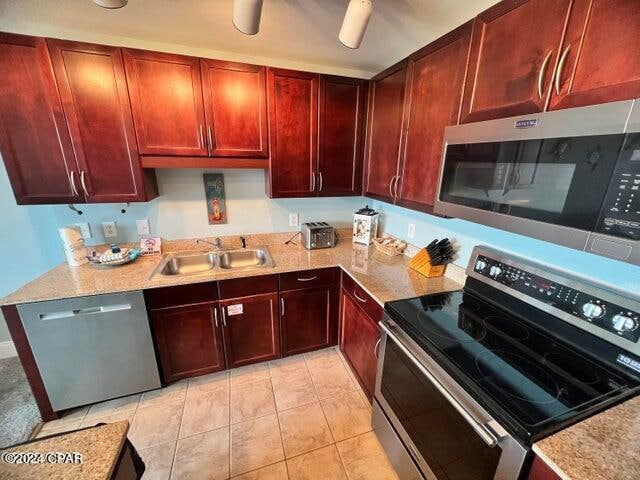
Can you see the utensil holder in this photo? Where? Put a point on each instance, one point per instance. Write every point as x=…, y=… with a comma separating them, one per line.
x=421, y=263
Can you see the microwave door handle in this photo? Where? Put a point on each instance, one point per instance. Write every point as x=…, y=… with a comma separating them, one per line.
x=483, y=431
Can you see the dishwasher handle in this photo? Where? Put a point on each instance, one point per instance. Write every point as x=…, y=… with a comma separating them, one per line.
x=85, y=311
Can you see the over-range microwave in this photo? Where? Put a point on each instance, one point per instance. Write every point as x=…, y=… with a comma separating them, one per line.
x=571, y=177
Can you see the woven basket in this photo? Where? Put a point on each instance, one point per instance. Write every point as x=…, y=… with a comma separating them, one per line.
x=389, y=250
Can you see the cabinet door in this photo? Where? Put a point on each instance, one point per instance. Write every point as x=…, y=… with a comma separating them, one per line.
x=541, y=471
x=189, y=340
x=34, y=140
x=514, y=50
x=434, y=83
x=166, y=99
x=251, y=329
x=236, y=108
x=386, y=98
x=95, y=98
x=599, y=61
x=342, y=107
x=309, y=319
x=293, y=133
x=359, y=341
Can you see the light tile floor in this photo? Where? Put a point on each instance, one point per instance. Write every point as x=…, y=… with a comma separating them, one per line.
x=302, y=417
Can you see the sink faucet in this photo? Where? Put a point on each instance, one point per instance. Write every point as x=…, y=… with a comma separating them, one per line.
x=217, y=243
x=243, y=242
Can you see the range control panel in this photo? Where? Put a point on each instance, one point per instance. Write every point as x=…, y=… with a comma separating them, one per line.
x=602, y=313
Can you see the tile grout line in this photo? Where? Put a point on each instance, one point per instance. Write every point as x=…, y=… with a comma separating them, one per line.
x=284, y=453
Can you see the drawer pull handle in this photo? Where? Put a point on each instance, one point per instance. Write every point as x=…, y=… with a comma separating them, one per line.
x=359, y=298
x=308, y=279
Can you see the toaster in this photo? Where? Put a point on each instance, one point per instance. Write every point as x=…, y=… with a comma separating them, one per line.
x=318, y=235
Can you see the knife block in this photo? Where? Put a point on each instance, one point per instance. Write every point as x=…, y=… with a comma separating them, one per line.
x=421, y=263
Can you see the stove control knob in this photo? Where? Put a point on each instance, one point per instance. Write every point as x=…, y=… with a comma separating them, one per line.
x=592, y=310
x=622, y=323
x=481, y=265
x=495, y=271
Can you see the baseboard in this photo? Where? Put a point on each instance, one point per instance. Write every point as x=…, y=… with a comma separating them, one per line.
x=7, y=349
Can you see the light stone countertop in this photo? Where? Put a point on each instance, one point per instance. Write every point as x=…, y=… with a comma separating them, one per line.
x=99, y=446
x=384, y=278
x=603, y=447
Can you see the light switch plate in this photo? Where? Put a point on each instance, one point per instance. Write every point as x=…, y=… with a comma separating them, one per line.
x=294, y=220
x=143, y=227
x=109, y=229
x=85, y=229
x=411, y=231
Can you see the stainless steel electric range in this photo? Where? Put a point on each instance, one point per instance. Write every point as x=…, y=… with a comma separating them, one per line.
x=468, y=380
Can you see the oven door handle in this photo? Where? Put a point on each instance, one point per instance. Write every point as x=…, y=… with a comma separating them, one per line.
x=487, y=435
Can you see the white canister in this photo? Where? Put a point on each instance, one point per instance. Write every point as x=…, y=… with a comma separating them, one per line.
x=74, y=248
x=365, y=225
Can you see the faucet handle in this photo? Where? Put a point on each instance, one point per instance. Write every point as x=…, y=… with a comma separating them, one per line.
x=243, y=242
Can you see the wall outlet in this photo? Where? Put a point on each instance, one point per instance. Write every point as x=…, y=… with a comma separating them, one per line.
x=411, y=231
x=85, y=229
x=143, y=227
x=294, y=220
x=109, y=229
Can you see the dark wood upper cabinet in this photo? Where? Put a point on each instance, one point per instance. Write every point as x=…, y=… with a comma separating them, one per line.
x=34, y=140
x=359, y=341
x=435, y=79
x=599, y=61
x=166, y=99
x=94, y=94
x=308, y=319
x=235, y=103
x=293, y=132
x=384, y=132
x=189, y=340
x=251, y=329
x=514, y=51
x=342, y=107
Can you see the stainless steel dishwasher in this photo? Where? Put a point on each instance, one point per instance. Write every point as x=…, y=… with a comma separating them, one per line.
x=90, y=349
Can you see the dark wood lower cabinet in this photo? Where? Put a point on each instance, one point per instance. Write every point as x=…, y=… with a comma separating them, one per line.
x=189, y=340
x=541, y=471
x=251, y=329
x=308, y=319
x=359, y=341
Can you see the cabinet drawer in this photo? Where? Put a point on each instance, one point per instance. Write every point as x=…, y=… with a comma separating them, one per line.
x=242, y=287
x=307, y=278
x=362, y=298
x=181, y=295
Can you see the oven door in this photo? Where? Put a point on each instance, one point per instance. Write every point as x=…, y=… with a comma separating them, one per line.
x=448, y=435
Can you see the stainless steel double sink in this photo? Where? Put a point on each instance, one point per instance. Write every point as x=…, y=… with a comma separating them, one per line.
x=198, y=262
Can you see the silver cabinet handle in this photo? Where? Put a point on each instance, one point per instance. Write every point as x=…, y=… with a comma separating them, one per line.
x=72, y=179
x=282, y=306
x=488, y=436
x=215, y=316
x=359, y=298
x=84, y=186
x=561, y=63
x=321, y=182
x=391, y=185
x=395, y=186
x=313, y=181
x=308, y=279
x=202, y=144
x=224, y=317
x=375, y=349
x=85, y=311
x=210, y=137
x=541, y=73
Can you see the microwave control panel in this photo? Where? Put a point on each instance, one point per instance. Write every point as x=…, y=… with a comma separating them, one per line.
x=604, y=314
x=620, y=214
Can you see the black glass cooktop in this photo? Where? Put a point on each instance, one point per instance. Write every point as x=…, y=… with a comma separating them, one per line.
x=520, y=370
